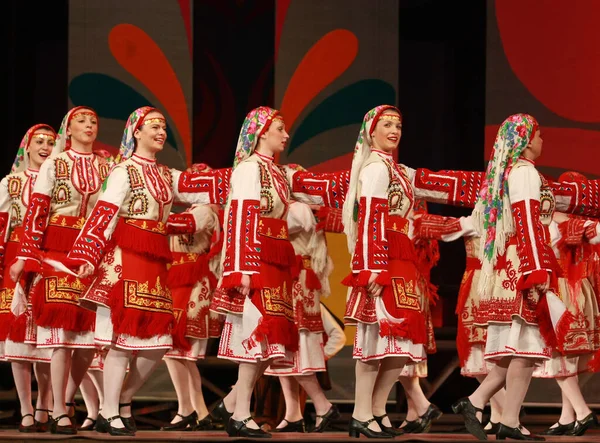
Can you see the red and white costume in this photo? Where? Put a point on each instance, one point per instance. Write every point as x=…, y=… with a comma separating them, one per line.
x=315, y=266
x=192, y=279
x=66, y=189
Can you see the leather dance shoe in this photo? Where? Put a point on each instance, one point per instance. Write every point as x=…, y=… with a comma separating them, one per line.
x=590, y=421
x=206, y=424
x=505, y=432
x=292, y=426
x=118, y=431
x=469, y=413
x=237, y=428
x=128, y=422
x=327, y=418
x=187, y=423
x=362, y=427
x=29, y=428
x=43, y=426
x=89, y=427
x=55, y=428
x=221, y=413
x=560, y=429
x=388, y=429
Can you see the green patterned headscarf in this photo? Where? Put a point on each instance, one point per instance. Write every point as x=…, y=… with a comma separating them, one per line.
x=255, y=124
x=492, y=214
x=21, y=162
x=362, y=150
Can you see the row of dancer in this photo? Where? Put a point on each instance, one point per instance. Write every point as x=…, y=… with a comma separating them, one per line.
x=388, y=299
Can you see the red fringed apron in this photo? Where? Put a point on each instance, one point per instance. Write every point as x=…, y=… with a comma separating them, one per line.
x=55, y=298
x=7, y=318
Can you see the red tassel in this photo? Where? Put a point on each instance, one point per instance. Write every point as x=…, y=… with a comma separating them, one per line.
x=33, y=266
x=6, y=322
x=59, y=238
x=411, y=328
x=275, y=330
x=384, y=279
x=18, y=329
x=179, y=339
x=136, y=322
x=528, y=281
x=563, y=328
x=463, y=346
x=312, y=281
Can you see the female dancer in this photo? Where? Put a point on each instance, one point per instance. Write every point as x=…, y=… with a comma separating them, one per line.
x=192, y=280
x=124, y=242
x=67, y=187
x=15, y=191
x=256, y=289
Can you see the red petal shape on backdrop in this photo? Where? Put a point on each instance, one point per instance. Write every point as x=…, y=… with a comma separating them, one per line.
x=553, y=47
x=569, y=149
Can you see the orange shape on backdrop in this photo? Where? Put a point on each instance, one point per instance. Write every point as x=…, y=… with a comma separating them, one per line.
x=142, y=57
x=553, y=50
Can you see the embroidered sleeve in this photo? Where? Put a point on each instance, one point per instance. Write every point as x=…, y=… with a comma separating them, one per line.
x=201, y=188
x=320, y=188
x=35, y=221
x=196, y=219
x=371, y=252
x=330, y=220
x=242, y=247
x=581, y=198
x=457, y=188
x=4, y=220
x=300, y=218
x=447, y=229
x=92, y=241
x=533, y=248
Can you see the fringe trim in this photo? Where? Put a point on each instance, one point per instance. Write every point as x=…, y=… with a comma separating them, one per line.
x=278, y=252
x=58, y=238
x=179, y=334
x=412, y=327
x=6, y=323
x=234, y=280
x=142, y=242
x=545, y=322
x=400, y=247
x=274, y=330
x=136, y=322
x=66, y=316
x=563, y=328
x=18, y=329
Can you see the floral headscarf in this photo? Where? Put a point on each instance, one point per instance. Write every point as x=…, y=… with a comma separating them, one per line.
x=362, y=150
x=134, y=122
x=255, y=124
x=492, y=214
x=63, y=141
x=21, y=162
x=572, y=176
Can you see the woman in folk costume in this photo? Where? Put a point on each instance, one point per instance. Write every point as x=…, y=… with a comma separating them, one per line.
x=578, y=330
x=514, y=207
x=18, y=332
x=256, y=289
x=124, y=244
x=386, y=301
x=192, y=279
x=65, y=190
x=313, y=283
x=421, y=412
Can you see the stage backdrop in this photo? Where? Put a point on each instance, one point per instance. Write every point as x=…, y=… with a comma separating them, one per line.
x=543, y=59
x=121, y=57
x=327, y=76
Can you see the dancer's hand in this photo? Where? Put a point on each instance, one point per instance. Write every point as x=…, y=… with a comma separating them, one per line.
x=215, y=208
x=85, y=270
x=16, y=270
x=543, y=287
x=244, y=288
x=374, y=289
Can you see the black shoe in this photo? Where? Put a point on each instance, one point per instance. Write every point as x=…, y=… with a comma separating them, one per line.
x=128, y=422
x=493, y=430
x=560, y=429
x=505, y=432
x=221, y=413
x=118, y=431
x=423, y=424
x=43, y=426
x=410, y=426
x=206, y=424
x=362, y=427
x=187, y=423
x=388, y=429
x=72, y=404
x=55, y=428
x=101, y=425
x=327, y=418
x=292, y=426
x=89, y=427
x=591, y=421
x=29, y=428
x=237, y=428
x=469, y=413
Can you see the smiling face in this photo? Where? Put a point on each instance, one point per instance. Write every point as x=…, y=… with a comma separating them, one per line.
x=40, y=147
x=273, y=141
x=152, y=134
x=83, y=128
x=388, y=131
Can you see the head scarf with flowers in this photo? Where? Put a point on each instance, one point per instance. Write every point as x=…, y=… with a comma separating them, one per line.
x=21, y=162
x=134, y=122
x=63, y=141
x=492, y=213
x=362, y=151
x=256, y=123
